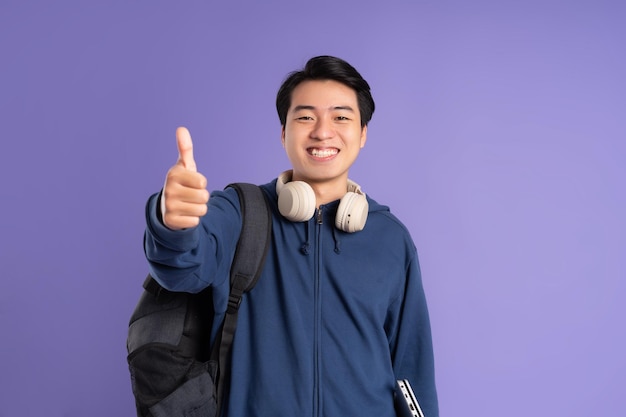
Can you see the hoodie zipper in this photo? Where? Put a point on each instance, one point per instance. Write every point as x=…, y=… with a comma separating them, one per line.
x=318, y=314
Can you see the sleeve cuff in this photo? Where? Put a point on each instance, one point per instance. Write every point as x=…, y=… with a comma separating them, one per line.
x=179, y=240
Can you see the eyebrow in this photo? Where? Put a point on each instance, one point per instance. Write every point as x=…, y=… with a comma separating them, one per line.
x=308, y=107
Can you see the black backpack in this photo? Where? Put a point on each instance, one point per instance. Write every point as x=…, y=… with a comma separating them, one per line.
x=174, y=370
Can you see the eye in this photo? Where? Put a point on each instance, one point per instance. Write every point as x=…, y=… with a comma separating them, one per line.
x=342, y=118
x=304, y=118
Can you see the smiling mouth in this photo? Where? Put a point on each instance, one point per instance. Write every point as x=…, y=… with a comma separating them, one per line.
x=323, y=153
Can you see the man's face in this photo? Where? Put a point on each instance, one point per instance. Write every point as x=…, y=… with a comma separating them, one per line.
x=322, y=133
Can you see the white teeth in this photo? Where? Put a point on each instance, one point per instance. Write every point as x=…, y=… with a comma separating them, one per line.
x=323, y=153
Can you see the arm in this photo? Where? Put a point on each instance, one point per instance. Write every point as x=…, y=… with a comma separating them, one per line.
x=191, y=259
x=190, y=239
x=412, y=349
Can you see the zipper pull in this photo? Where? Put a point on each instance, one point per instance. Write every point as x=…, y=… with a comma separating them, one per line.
x=320, y=218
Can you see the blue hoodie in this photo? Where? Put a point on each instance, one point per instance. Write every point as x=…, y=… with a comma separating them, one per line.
x=333, y=321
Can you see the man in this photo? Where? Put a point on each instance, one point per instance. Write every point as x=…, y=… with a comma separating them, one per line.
x=339, y=313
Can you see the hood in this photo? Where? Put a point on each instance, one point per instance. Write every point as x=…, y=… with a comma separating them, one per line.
x=328, y=213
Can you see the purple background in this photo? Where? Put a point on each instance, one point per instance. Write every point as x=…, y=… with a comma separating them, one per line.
x=499, y=139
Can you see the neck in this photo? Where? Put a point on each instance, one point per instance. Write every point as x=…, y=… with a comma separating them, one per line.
x=326, y=192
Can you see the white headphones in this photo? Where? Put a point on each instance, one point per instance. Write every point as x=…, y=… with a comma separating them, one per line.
x=296, y=202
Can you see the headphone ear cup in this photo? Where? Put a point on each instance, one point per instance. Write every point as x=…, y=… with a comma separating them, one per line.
x=352, y=212
x=296, y=201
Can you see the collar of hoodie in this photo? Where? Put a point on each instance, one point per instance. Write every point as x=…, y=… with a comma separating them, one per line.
x=325, y=213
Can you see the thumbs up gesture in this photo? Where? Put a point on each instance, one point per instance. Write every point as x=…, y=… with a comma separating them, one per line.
x=184, y=198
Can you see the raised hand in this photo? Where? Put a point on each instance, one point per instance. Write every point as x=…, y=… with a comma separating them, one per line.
x=184, y=199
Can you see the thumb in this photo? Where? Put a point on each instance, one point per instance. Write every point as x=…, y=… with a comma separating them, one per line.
x=185, y=149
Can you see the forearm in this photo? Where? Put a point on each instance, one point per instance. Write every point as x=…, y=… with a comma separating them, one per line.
x=413, y=353
x=189, y=260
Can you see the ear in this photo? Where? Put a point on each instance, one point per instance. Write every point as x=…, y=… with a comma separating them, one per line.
x=363, y=136
x=282, y=135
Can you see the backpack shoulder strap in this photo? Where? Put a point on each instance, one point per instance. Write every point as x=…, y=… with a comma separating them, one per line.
x=252, y=248
x=254, y=241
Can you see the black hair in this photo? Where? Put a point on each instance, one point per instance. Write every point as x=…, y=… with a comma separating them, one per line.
x=327, y=68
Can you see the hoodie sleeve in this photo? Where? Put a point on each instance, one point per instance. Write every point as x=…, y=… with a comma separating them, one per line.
x=190, y=260
x=412, y=347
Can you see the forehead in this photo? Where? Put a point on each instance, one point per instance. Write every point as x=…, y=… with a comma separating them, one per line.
x=323, y=94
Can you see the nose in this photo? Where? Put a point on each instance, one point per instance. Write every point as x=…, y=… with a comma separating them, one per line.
x=323, y=129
